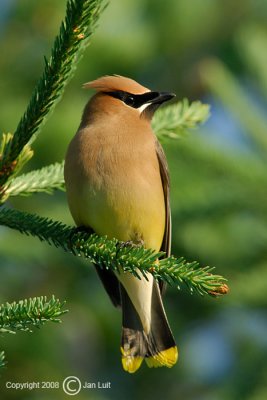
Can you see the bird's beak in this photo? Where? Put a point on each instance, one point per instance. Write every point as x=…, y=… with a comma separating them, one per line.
x=162, y=97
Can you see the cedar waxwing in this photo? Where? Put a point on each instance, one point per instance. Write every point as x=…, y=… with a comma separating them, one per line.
x=117, y=184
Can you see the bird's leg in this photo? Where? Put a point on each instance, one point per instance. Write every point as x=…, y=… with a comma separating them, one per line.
x=138, y=241
x=131, y=243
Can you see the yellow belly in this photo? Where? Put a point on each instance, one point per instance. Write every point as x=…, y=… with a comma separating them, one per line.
x=124, y=213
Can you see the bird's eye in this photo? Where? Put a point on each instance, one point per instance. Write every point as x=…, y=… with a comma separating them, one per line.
x=129, y=100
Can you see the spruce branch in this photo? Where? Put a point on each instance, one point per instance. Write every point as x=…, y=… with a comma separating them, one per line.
x=114, y=255
x=75, y=32
x=29, y=313
x=12, y=169
x=173, y=121
x=46, y=179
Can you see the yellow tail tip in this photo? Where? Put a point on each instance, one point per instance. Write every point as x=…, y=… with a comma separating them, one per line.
x=130, y=363
x=165, y=358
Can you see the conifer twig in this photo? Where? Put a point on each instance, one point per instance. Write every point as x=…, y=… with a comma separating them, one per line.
x=172, y=121
x=75, y=31
x=28, y=313
x=46, y=179
x=110, y=254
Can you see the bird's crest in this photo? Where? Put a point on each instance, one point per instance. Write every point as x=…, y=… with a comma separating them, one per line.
x=116, y=83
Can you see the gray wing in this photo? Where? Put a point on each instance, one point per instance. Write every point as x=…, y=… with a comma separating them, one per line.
x=164, y=173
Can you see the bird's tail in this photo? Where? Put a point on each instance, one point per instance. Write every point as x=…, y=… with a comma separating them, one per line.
x=157, y=347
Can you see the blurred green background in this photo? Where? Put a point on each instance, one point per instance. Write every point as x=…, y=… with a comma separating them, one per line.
x=210, y=50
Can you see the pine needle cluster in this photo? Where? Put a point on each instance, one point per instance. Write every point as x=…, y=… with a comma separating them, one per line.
x=29, y=313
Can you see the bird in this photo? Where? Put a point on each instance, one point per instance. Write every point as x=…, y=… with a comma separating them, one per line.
x=117, y=185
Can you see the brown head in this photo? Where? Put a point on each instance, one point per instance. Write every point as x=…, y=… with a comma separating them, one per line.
x=120, y=95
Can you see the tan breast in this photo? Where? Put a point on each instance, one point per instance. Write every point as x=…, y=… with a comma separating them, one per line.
x=113, y=182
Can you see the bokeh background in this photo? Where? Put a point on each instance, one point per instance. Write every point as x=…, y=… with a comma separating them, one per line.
x=211, y=50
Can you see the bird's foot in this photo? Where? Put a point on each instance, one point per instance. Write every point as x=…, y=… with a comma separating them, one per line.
x=129, y=244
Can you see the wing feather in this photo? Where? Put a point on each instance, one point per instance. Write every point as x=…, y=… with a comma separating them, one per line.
x=165, y=179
